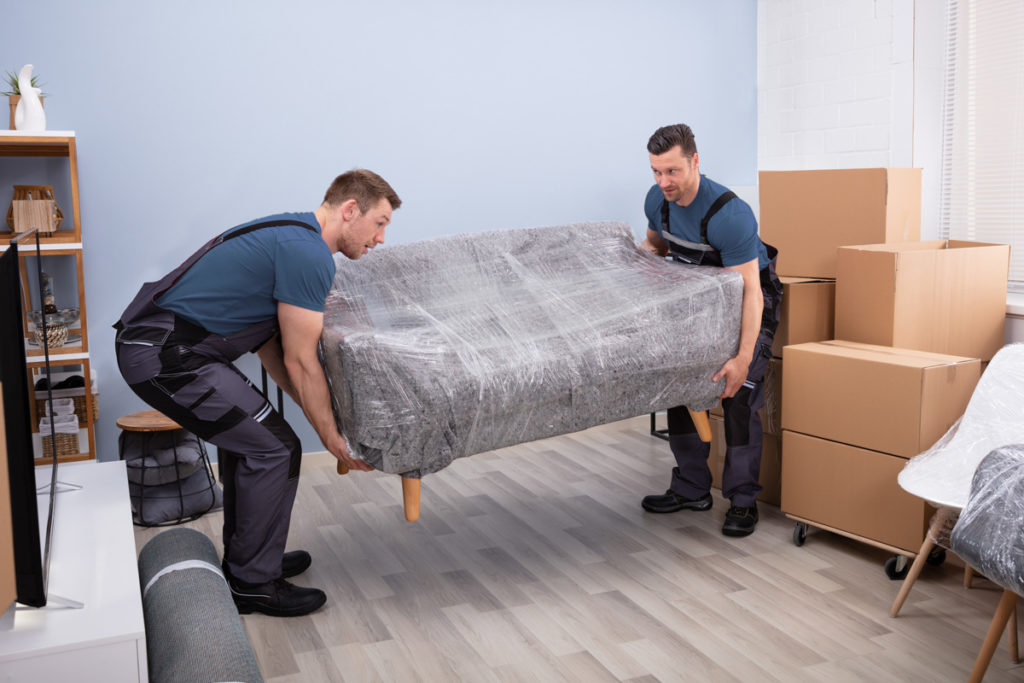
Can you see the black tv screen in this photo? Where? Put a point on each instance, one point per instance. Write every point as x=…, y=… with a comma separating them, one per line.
x=28, y=562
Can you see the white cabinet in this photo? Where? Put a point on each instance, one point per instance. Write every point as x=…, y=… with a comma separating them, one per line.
x=94, y=562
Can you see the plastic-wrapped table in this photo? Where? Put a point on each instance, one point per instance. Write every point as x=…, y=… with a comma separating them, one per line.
x=442, y=349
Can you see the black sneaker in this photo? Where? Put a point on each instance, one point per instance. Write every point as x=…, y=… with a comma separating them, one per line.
x=673, y=502
x=740, y=521
x=277, y=598
x=294, y=563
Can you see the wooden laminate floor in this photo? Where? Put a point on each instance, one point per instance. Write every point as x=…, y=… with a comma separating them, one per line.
x=536, y=563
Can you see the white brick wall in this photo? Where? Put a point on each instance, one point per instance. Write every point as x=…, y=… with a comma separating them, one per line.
x=828, y=80
x=853, y=84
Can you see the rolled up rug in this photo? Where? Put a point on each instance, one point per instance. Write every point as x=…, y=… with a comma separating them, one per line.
x=193, y=631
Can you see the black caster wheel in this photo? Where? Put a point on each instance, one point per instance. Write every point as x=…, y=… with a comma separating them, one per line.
x=896, y=567
x=936, y=557
x=799, y=534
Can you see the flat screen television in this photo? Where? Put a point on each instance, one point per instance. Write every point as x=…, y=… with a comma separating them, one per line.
x=29, y=564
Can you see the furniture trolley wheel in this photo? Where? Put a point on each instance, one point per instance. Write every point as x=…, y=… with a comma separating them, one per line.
x=799, y=534
x=896, y=567
x=936, y=557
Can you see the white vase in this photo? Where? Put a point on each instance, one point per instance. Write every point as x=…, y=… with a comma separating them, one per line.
x=29, y=115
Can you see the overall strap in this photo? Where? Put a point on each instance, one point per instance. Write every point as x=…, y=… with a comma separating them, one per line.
x=722, y=200
x=221, y=239
x=144, y=304
x=719, y=202
x=265, y=224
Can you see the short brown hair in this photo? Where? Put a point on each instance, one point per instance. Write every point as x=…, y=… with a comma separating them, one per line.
x=366, y=187
x=667, y=137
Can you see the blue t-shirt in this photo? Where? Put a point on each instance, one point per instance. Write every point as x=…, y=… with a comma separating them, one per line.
x=239, y=282
x=732, y=231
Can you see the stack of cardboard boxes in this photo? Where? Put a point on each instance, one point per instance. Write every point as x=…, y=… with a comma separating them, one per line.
x=913, y=320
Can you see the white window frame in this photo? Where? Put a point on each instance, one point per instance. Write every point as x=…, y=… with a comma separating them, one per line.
x=982, y=181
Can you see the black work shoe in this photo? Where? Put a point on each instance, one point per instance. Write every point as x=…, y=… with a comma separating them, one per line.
x=277, y=598
x=294, y=563
x=673, y=502
x=740, y=521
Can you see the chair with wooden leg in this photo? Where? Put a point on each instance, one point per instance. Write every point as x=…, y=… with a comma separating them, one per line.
x=989, y=536
x=942, y=475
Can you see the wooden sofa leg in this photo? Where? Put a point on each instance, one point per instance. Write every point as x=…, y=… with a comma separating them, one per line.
x=968, y=576
x=1006, y=605
x=703, y=425
x=411, y=498
x=1012, y=636
x=342, y=468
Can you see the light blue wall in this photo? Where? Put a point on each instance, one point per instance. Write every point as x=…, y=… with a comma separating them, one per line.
x=194, y=116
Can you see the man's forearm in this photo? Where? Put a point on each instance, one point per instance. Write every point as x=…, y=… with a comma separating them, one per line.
x=310, y=385
x=272, y=358
x=750, y=323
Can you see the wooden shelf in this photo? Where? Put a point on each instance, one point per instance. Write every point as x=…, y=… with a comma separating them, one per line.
x=64, y=242
x=56, y=143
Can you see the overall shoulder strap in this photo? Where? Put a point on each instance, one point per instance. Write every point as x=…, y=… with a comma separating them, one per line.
x=266, y=224
x=721, y=201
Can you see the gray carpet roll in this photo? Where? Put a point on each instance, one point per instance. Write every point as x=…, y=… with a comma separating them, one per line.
x=193, y=631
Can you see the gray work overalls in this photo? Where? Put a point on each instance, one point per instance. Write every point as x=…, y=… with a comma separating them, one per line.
x=187, y=373
x=691, y=478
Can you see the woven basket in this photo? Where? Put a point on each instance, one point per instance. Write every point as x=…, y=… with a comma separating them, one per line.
x=30, y=192
x=79, y=405
x=67, y=444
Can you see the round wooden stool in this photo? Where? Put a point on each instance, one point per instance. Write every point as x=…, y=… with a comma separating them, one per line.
x=147, y=421
x=161, y=483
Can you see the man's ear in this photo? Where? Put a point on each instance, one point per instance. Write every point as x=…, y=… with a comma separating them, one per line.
x=349, y=210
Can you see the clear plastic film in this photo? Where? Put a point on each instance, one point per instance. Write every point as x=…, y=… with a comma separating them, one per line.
x=994, y=418
x=989, y=534
x=442, y=349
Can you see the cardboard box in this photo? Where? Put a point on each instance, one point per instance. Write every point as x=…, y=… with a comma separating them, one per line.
x=771, y=412
x=807, y=314
x=771, y=462
x=807, y=215
x=942, y=296
x=851, y=489
x=897, y=401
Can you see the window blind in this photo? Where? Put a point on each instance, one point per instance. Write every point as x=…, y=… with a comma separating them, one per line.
x=982, y=187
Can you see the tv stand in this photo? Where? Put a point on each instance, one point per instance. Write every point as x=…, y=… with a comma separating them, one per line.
x=93, y=559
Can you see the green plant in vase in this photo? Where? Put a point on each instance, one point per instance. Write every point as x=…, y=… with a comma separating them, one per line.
x=14, y=89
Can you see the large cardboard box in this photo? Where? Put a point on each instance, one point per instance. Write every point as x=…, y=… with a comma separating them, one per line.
x=807, y=215
x=771, y=411
x=851, y=489
x=942, y=296
x=897, y=401
x=771, y=462
x=807, y=313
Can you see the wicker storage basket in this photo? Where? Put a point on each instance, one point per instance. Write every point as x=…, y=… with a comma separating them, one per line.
x=66, y=428
x=37, y=193
x=77, y=395
x=78, y=398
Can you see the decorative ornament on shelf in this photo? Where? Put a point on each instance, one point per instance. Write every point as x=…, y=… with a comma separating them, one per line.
x=48, y=306
x=56, y=323
x=26, y=101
